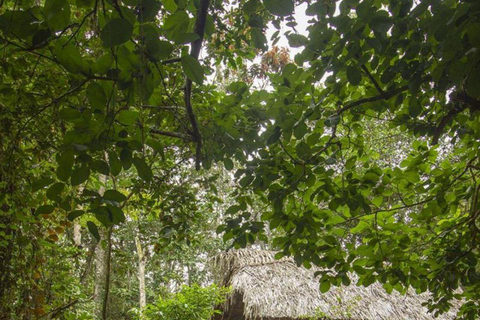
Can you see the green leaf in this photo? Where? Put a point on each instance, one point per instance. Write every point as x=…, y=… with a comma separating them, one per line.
x=114, y=195
x=75, y=214
x=92, y=227
x=354, y=76
x=279, y=7
x=259, y=39
x=126, y=158
x=117, y=214
x=55, y=190
x=69, y=57
x=378, y=200
x=147, y=10
x=324, y=286
x=80, y=175
x=116, y=32
x=115, y=164
x=381, y=23
x=176, y=25
x=128, y=117
x=192, y=69
x=69, y=114
x=87, y=4
x=473, y=84
x=297, y=40
x=63, y=172
x=41, y=183
x=245, y=181
x=228, y=163
x=57, y=13
x=45, y=209
x=473, y=32
x=143, y=169
x=96, y=96
x=101, y=167
x=275, y=136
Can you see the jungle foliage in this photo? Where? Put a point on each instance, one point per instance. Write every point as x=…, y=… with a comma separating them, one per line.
x=360, y=156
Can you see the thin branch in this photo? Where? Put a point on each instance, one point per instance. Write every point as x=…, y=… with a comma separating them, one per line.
x=81, y=24
x=199, y=29
x=172, y=108
x=288, y=153
x=173, y=134
x=55, y=100
x=372, y=79
x=385, y=96
x=170, y=61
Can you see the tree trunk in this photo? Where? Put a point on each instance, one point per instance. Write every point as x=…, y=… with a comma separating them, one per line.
x=100, y=275
x=77, y=233
x=141, y=273
x=101, y=269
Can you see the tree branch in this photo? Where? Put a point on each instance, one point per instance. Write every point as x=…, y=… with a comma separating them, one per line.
x=195, y=51
x=385, y=96
x=173, y=134
x=372, y=79
x=467, y=102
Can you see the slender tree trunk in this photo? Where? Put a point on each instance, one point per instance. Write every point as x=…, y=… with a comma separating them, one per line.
x=141, y=273
x=77, y=233
x=100, y=275
x=101, y=266
x=107, y=273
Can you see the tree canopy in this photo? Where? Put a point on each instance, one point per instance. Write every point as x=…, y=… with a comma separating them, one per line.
x=360, y=155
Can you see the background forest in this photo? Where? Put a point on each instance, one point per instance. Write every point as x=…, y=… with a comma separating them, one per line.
x=139, y=138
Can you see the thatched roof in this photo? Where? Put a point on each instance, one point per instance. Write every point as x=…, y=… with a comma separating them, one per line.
x=265, y=288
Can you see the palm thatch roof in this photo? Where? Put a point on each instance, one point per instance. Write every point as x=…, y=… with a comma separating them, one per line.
x=264, y=288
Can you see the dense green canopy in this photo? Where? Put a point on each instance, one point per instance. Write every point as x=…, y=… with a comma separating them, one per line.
x=361, y=155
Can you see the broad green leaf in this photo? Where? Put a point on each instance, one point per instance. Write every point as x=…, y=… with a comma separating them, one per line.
x=80, y=175
x=41, y=183
x=114, y=195
x=88, y=4
x=101, y=167
x=147, y=10
x=259, y=39
x=63, y=172
x=297, y=40
x=69, y=57
x=192, y=69
x=324, y=286
x=55, y=190
x=75, y=214
x=57, y=13
x=381, y=22
x=45, y=209
x=143, y=169
x=92, y=227
x=228, y=163
x=176, y=25
x=280, y=7
x=70, y=114
x=245, y=181
x=96, y=96
x=126, y=158
x=115, y=164
x=117, y=214
x=473, y=32
x=473, y=83
x=116, y=32
x=354, y=76
x=128, y=117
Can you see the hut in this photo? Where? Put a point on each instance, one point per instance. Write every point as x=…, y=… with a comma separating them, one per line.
x=267, y=289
